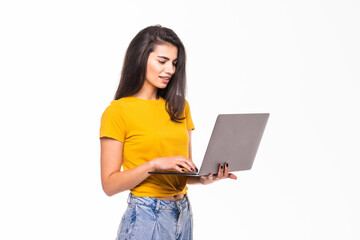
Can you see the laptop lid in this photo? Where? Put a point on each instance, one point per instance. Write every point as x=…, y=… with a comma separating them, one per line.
x=235, y=139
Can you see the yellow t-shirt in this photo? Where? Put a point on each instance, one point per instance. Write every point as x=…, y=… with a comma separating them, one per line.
x=145, y=128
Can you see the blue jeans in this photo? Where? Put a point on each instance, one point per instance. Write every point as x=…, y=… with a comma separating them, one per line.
x=151, y=218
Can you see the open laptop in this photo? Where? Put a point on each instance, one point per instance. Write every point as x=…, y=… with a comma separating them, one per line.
x=235, y=139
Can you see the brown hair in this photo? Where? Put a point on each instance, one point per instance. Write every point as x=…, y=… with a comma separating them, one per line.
x=134, y=69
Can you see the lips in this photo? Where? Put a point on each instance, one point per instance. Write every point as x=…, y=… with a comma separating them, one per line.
x=165, y=78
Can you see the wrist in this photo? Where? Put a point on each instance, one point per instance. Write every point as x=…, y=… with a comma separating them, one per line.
x=152, y=165
x=194, y=180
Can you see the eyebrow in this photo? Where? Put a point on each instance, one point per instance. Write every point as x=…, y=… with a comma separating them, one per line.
x=167, y=58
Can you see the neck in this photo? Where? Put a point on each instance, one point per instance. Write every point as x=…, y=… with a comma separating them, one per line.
x=147, y=92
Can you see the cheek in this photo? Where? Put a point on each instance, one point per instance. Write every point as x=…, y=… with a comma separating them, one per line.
x=153, y=69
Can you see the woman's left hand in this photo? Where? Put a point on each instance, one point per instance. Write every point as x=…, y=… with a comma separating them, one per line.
x=222, y=174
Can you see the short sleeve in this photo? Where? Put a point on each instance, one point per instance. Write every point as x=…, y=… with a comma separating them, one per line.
x=112, y=123
x=189, y=121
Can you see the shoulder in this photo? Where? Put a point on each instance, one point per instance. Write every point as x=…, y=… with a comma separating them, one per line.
x=187, y=103
x=116, y=107
x=186, y=106
x=119, y=104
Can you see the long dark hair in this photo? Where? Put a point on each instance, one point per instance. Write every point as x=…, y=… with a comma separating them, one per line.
x=134, y=69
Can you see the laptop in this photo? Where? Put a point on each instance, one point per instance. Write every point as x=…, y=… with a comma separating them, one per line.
x=235, y=139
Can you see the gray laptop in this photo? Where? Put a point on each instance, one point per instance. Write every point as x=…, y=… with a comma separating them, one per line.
x=235, y=139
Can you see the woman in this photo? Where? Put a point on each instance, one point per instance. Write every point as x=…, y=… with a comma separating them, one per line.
x=148, y=128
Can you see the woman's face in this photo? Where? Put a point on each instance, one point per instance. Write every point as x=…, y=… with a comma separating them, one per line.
x=161, y=65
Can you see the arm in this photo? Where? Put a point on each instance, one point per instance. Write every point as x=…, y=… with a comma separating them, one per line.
x=222, y=173
x=114, y=181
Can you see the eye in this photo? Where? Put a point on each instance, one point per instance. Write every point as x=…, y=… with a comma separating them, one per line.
x=162, y=62
x=175, y=64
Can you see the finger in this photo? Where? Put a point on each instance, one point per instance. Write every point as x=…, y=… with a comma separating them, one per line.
x=226, y=170
x=179, y=169
x=221, y=171
x=179, y=161
x=176, y=165
x=185, y=165
x=191, y=166
x=232, y=176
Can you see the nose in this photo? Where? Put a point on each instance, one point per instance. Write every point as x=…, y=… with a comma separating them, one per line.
x=169, y=68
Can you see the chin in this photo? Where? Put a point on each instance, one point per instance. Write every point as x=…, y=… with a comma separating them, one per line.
x=162, y=86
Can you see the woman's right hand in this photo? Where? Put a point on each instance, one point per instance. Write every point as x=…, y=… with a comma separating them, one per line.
x=174, y=163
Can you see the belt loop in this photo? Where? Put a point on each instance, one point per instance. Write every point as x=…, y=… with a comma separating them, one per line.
x=179, y=205
x=157, y=205
x=128, y=200
x=188, y=202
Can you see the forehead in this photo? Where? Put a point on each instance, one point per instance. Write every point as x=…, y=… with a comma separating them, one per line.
x=165, y=50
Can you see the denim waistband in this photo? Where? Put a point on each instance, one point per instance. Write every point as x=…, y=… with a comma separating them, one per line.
x=157, y=204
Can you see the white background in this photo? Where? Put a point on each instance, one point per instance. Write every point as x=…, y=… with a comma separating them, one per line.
x=298, y=60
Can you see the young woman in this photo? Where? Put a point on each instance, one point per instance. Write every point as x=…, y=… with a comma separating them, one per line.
x=148, y=128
